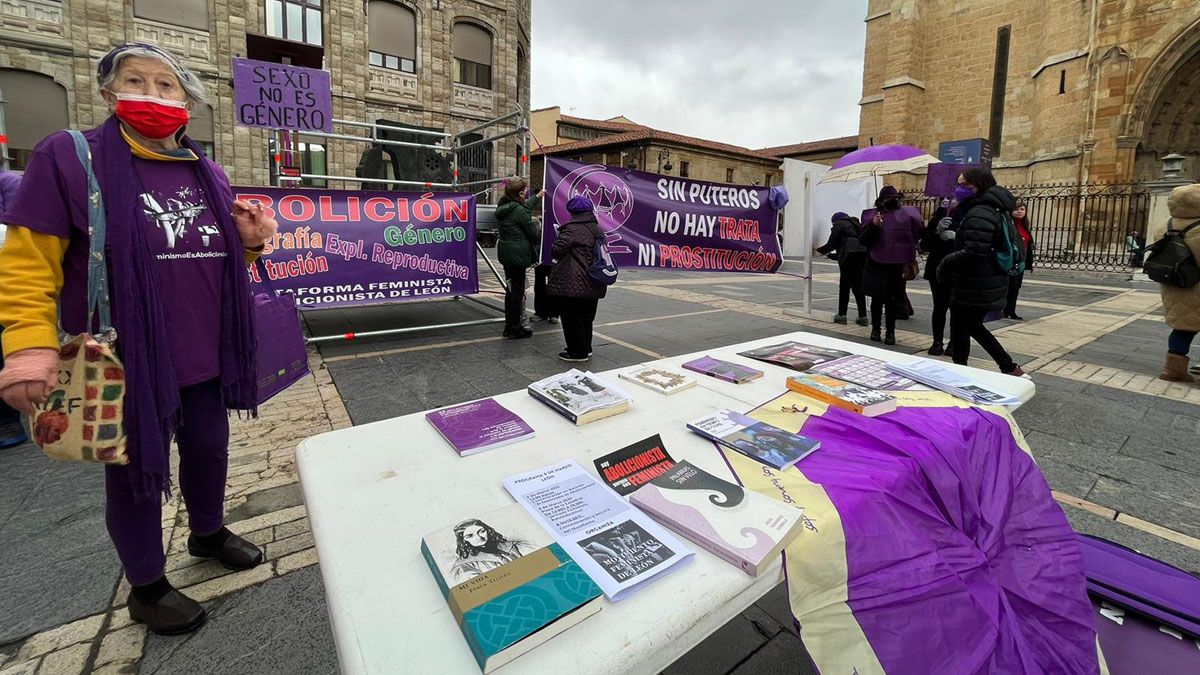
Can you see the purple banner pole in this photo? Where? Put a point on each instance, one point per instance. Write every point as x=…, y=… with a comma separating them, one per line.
x=341, y=248
x=666, y=222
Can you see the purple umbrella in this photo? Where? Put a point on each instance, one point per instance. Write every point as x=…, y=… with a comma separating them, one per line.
x=879, y=160
x=873, y=154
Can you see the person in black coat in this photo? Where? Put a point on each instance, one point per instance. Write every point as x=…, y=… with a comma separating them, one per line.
x=938, y=242
x=844, y=247
x=977, y=283
x=576, y=294
x=1025, y=230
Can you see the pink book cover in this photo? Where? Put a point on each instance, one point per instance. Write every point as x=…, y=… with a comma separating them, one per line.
x=738, y=525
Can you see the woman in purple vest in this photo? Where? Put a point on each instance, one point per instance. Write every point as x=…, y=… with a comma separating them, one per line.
x=890, y=236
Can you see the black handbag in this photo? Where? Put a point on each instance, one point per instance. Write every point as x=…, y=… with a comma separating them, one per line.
x=1171, y=261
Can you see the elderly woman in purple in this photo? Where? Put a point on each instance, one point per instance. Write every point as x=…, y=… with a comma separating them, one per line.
x=177, y=248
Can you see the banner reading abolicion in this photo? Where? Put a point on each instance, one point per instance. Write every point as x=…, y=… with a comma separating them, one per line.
x=666, y=222
x=340, y=248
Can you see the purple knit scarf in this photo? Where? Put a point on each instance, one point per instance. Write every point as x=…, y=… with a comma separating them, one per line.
x=152, y=393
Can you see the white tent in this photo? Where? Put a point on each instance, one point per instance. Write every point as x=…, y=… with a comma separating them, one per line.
x=806, y=218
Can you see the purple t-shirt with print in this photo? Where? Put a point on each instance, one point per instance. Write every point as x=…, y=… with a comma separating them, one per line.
x=185, y=240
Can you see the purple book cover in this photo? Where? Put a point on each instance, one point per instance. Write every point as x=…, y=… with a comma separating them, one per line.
x=478, y=426
x=723, y=370
x=738, y=525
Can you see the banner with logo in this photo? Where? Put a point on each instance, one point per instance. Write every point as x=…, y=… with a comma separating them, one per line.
x=666, y=222
x=342, y=248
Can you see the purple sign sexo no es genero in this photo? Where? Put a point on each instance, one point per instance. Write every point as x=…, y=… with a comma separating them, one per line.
x=279, y=96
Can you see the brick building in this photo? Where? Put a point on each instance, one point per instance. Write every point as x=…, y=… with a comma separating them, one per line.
x=444, y=65
x=621, y=142
x=1065, y=91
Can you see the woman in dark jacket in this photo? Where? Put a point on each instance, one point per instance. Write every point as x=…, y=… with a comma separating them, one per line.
x=576, y=294
x=517, y=250
x=891, y=241
x=1021, y=220
x=844, y=247
x=938, y=242
x=978, y=284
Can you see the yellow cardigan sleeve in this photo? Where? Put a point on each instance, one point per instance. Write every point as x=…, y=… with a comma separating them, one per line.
x=31, y=279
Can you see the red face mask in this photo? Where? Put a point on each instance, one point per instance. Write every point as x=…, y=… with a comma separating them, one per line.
x=152, y=117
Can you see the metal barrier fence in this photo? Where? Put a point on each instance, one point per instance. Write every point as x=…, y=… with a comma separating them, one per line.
x=1078, y=227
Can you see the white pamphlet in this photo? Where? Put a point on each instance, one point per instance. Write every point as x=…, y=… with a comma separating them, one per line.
x=618, y=546
x=938, y=376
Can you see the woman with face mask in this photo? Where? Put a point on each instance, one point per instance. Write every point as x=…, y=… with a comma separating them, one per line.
x=890, y=238
x=977, y=282
x=1021, y=220
x=177, y=249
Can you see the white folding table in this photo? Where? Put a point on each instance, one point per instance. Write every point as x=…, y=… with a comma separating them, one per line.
x=373, y=491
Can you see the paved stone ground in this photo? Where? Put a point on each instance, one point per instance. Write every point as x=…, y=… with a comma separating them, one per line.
x=1117, y=445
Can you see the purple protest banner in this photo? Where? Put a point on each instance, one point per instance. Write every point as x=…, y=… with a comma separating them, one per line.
x=339, y=248
x=665, y=222
x=279, y=96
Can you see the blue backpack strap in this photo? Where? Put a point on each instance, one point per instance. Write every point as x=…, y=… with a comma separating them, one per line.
x=98, y=300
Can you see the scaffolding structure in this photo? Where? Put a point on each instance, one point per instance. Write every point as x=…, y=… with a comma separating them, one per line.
x=450, y=145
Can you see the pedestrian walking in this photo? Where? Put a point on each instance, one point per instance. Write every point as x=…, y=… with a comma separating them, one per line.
x=1021, y=220
x=978, y=285
x=1135, y=245
x=576, y=294
x=178, y=244
x=12, y=432
x=517, y=250
x=890, y=237
x=844, y=247
x=1182, y=305
x=938, y=242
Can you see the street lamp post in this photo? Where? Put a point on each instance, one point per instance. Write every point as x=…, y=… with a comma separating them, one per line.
x=664, y=160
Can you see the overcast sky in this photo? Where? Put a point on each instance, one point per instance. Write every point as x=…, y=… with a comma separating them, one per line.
x=761, y=73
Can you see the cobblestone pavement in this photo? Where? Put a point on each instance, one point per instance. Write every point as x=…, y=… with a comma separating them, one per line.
x=1116, y=444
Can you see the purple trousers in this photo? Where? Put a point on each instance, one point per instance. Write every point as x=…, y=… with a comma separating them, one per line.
x=203, y=438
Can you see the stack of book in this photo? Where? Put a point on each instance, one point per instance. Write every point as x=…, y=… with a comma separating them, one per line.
x=740, y=526
x=723, y=370
x=759, y=441
x=795, y=355
x=509, y=586
x=938, y=376
x=580, y=397
x=661, y=380
x=478, y=426
x=842, y=394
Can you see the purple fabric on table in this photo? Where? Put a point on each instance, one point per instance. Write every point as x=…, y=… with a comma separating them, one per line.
x=1127, y=578
x=879, y=153
x=959, y=560
x=1136, y=646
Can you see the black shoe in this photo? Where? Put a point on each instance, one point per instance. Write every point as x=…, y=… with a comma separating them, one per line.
x=172, y=614
x=234, y=552
x=936, y=349
x=12, y=434
x=564, y=356
x=875, y=335
x=889, y=339
x=839, y=318
x=862, y=321
x=1013, y=316
x=518, y=333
